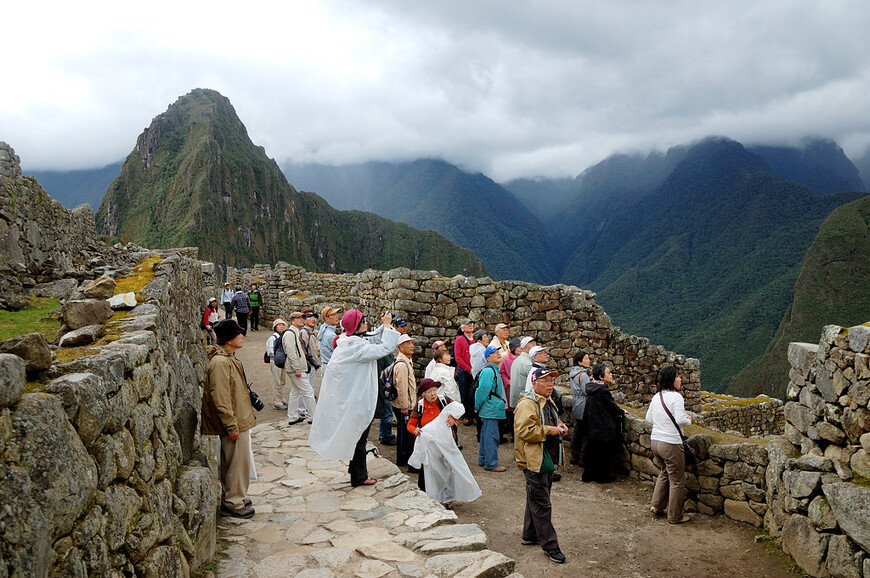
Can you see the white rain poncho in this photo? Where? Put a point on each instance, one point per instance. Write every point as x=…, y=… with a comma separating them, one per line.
x=348, y=394
x=448, y=478
x=443, y=374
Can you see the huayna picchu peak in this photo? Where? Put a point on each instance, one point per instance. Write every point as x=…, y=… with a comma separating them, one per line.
x=196, y=179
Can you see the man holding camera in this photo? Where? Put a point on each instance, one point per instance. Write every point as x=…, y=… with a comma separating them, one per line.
x=295, y=369
x=227, y=412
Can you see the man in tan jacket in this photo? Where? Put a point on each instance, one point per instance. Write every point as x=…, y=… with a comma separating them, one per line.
x=406, y=388
x=227, y=412
x=538, y=450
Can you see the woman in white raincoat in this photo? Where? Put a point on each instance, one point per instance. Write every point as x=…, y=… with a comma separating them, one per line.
x=443, y=373
x=448, y=478
x=348, y=394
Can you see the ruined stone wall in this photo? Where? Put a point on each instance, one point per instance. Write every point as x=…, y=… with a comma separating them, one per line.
x=820, y=501
x=40, y=240
x=757, y=417
x=563, y=318
x=103, y=469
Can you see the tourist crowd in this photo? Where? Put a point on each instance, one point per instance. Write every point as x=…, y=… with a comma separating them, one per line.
x=500, y=386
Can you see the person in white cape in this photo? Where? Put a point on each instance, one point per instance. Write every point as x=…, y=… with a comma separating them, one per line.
x=448, y=477
x=348, y=395
x=443, y=373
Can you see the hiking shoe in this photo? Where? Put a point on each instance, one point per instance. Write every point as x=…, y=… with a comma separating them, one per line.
x=656, y=511
x=682, y=520
x=496, y=469
x=243, y=512
x=557, y=477
x=525, y=542
x=556, y=556
x=280, y=406
x=389, y=441
x=295, y=421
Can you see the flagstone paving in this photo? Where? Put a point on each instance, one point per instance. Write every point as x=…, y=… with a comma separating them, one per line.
x=310, y=522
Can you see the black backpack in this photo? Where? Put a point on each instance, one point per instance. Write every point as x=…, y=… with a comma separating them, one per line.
x=472, y=391
x=386, y=381
x=280, y=357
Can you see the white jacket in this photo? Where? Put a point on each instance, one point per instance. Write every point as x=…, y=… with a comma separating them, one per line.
x=444, y=374
x=663, y=429
x=348, y=394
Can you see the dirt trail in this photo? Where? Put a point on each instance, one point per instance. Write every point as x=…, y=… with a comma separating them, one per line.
x=604, y=530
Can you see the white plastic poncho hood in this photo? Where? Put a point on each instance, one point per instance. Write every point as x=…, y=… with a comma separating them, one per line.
x=448, y=478
x=348, y=394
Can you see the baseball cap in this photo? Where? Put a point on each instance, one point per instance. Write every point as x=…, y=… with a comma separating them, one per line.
x=400, y=322
x=543, y=372
x=295, y=315
x=525, y=341
x=513, y=344
x=326, y=311
x=490, y=350
x=500, y=326
x=464, y=321
x=438, y=344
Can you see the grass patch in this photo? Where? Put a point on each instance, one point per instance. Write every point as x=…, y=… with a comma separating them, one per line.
x=143, y=274
x=35, y=319
x=736, y=403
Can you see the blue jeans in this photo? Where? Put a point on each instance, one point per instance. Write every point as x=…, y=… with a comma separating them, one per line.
x=385, y=430
x=489, y=434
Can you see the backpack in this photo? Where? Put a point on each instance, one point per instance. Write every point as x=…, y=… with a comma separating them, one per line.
x=386, y=381
x=472, y=391
x=280, y=357
x=441, y=402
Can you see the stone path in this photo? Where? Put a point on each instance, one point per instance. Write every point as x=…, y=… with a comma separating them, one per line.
x=310, y=522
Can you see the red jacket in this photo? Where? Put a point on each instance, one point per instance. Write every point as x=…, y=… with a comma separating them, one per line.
x=206, y=314
x=461, y=353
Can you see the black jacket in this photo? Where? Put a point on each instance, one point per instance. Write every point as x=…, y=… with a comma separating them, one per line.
x=602, y=420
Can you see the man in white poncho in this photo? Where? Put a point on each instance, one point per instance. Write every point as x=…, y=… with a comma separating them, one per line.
x=348, y=395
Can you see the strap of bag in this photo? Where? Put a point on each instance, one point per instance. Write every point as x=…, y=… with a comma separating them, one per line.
x=667, y=411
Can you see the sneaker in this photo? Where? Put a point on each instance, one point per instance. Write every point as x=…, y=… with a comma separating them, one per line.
x=525, y=542
x=656, y=511
x=496, y=469
x=281, y=406
x=682, y=520
x=295, y=421
x=556, y=556
x=243, y=512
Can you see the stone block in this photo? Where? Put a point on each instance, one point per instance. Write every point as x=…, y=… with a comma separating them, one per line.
x=753, y=454
x=802, y=356
x=101, y=288
x=84, y=399
x=730, y=452
x=799, y=415
x=82, y=312
x=122, y=301
x=859, y=338
x=860, y=463
x=82, y=336
x=32, y=348
x=805, y=545
x=733, y=492
x=741, y=512
x=830, y=432
x=842, y=561
x=815, y=463
x=801, y=484
x=825, y=385
x=856, y=422
x=12, y=379
x=643, y=464
x=851, y=506
x=820, y=514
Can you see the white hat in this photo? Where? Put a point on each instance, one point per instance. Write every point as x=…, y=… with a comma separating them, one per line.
x=404, y=338
x=276, y=322
x=525, y=341
x=536, y=350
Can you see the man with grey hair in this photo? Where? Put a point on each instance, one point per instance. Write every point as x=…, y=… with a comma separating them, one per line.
x=520, y=369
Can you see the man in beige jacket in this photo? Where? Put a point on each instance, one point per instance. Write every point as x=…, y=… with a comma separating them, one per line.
x=227, y=412
x=406, y=388
x=296, y=368
x=538, y=450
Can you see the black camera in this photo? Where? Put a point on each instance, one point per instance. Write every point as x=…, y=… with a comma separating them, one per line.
x=256, y=402
x=312, y=361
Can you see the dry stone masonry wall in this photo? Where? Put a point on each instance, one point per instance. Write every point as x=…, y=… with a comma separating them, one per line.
x=564, y=318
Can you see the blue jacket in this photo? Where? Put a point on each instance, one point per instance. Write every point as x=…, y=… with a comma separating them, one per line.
x=488, y=399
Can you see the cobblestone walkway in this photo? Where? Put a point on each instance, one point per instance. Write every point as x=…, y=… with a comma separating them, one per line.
x=310, y=522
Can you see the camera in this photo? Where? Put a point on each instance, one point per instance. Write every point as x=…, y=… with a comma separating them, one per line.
x=256, y=402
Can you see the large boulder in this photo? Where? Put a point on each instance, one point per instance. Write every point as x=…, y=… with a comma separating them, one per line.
x=12, y=377
x=83, y=312
x=101, y=288
x=32, y=348
x=851, y=506
x=84, y=399
x=123, y=301
x=82, y=336
x=808, y=547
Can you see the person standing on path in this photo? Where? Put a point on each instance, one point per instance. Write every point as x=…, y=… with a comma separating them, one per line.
x=295, y=369
x=227, y=412
x=406, y=388
x=490, y=406
x=578, y=377
x=538, y=450
x=242, y=306
x=520, y=370
x=255, y=299
x=464, y=379
x=227, y=301
x=348, y=395
x=326, y=334
x=279, y=326
x=310, y=345
x=667, y=445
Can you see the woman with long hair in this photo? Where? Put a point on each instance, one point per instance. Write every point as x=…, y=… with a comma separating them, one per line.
x=667, y=445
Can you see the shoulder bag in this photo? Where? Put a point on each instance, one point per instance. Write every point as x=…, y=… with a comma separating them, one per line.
x=689, y=451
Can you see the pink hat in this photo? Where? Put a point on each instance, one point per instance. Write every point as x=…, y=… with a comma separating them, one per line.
x=351, y=320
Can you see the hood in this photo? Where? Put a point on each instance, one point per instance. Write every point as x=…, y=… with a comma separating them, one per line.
x=213, y=350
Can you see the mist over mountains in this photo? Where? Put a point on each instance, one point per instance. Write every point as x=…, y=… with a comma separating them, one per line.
x=698, y=247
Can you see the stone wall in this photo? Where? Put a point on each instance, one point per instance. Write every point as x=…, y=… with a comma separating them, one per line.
x=756, y=417
x=104, y=471
x=818, y=488
x=563, y=318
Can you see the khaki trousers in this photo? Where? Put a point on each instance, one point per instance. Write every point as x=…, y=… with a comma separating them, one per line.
x=278, y=395
x=235, y=469
x=670, y=490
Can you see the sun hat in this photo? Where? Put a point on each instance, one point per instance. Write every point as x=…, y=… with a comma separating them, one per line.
x=351, y=320
x=276, y=322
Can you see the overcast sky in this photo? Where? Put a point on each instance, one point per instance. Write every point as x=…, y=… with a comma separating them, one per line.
x=508, y=88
